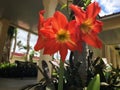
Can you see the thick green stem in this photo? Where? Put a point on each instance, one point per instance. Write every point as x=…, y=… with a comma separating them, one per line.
x=61, y=74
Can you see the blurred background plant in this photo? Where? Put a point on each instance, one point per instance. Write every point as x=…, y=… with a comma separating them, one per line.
x=108, y=75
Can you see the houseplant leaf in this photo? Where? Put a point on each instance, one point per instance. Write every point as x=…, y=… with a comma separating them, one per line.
x=94, y=83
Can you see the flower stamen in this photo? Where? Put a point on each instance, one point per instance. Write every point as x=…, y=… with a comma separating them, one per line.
x=63, y=36
x=86, y=26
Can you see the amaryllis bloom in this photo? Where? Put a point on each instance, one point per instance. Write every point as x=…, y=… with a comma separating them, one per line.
x=60, y=37
x=88, y=25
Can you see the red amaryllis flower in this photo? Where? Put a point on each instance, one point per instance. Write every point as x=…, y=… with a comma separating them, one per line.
x=88, y=25
x=60, y=37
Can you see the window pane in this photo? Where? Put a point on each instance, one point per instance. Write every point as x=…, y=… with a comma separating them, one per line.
x=22, y=44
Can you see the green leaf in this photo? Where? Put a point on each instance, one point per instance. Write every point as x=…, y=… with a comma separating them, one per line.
x=88, y=2
x=63, y=6
x=94, y=83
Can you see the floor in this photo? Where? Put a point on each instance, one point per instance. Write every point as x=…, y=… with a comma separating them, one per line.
x=15, y=83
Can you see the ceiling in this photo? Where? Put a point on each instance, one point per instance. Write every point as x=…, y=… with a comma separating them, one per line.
x=24, y=14
x=21, y=13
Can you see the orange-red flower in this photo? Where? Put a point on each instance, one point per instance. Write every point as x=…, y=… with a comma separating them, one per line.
x=88, y=25
x=60, y=37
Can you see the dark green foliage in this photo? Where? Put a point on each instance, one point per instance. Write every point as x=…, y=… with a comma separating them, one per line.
x=18, y=70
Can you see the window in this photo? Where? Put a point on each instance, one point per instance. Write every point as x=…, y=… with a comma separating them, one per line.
x=21, y=44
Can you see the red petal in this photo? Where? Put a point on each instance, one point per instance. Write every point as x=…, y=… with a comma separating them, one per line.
x=55, y=25
x=51, y=48
x=72, y=26
x=42, y=12
x=92, y=10
x=71, y=46
x=92, y=40
x=98, y=27
x=47, y=32
x=63, y=53
x=60, y=19
x=47, y=22
x=41, y=19
x=40, y=44
x=79, y=13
